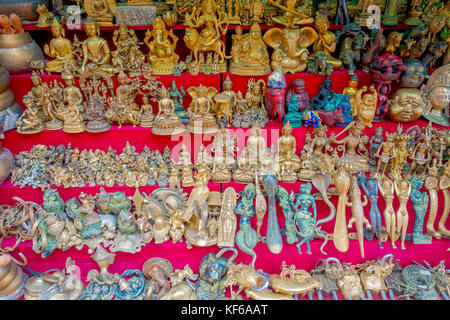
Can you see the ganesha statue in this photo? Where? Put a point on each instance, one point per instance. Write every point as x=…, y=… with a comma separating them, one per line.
x=290, y=47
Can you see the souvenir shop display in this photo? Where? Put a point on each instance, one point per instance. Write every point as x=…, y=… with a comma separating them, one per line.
x=224, y=150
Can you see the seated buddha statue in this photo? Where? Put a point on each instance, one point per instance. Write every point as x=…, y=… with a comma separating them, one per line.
x=287, y=146
x=166, y=121
x=201, y=120
x=95, y=49
x=59, y=48
x=162, y=54
x=101, y=11
x=250, y=55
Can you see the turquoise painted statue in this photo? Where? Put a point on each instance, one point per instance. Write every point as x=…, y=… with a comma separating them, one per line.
x=346, y=108
x=420, y=202
x=289, y=213
x=246, y=238
x=293, y=115
x=54, y=204
x=334, y=103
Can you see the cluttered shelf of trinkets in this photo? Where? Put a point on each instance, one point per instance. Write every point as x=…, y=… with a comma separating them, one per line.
x=172, y=150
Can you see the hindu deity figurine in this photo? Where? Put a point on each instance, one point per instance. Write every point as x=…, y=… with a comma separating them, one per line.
x=59, y=49
x=403, y=190
x=370, y=188
x=29, y=121
x=177, y=97
x=325, y=94
x=436, y=95
x=325, y=40
x=420, y=202
x=162, y=54
x=386, y=187
x=254, y=97
x=201, y=119
x=166, y=121
x=227, y=219
x=290, y=47
x=352, y=160
x=385, y=69
x=388, y=153
x=127, y=56
x=95, y=49
x=365, y=106
x=275, y=94
x=73, y=120
x=443, y=185
x=287, y=147
x=209, y=38
x=95, y=116
x=146, y=117
x=246, y=237
x=249, y=54
x=101, y=11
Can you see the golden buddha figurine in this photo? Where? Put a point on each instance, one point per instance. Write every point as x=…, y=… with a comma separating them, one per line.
x=60, y=49
x=101, y=11
x=95, y=49
x=162, y=54
x=73, y=120
x=167, y=122
x=249, y=54
x=351, y=89
x=365, y=105
x=201, y=119
x=147, y=117
x=71, y=91
x=287, y=146
x=287, y=171
x=325, y=40
x=293, y=15
x=243, y=172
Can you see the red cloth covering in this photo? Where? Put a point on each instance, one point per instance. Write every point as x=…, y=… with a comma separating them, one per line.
x=177, y=254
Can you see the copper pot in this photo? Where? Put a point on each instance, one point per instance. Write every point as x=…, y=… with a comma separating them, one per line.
x=26, y=9
x=17, y=50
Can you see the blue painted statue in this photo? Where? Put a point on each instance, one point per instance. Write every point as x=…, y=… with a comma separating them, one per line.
x=324, y=95
x=370, y=187
x=420, y=202
x=346, y=108
x=246, y=237
x=311, y=118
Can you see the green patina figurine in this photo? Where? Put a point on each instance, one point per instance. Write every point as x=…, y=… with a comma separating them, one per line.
x=54, y=204
x=319, y=64
x=293, y=115
x=177, y=97
x=89, y=224
x=246, y=237
x=126, y=223
x=118, y=202
x=420, y=203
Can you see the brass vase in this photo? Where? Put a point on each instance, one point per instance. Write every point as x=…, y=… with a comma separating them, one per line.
x=7, y=164
x=7, y=117
x=17, y=50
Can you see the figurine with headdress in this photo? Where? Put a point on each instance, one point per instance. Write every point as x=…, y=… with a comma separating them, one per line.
x=201, y=119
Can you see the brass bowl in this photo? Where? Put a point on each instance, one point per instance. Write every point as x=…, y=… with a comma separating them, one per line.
x=6, y=99
x=8, y=278
x=14, y=284
x=17, y=50
x=4, y=79
x=7, y=164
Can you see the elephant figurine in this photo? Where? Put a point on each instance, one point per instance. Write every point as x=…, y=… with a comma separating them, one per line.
x=290, y=47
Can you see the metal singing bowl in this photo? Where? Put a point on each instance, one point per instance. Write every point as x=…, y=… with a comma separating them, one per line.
x=17, y=50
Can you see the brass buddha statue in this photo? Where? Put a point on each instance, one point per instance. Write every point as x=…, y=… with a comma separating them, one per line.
x=201, y=120
x=166, y=121
x=101, y=11
x=59, y=48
